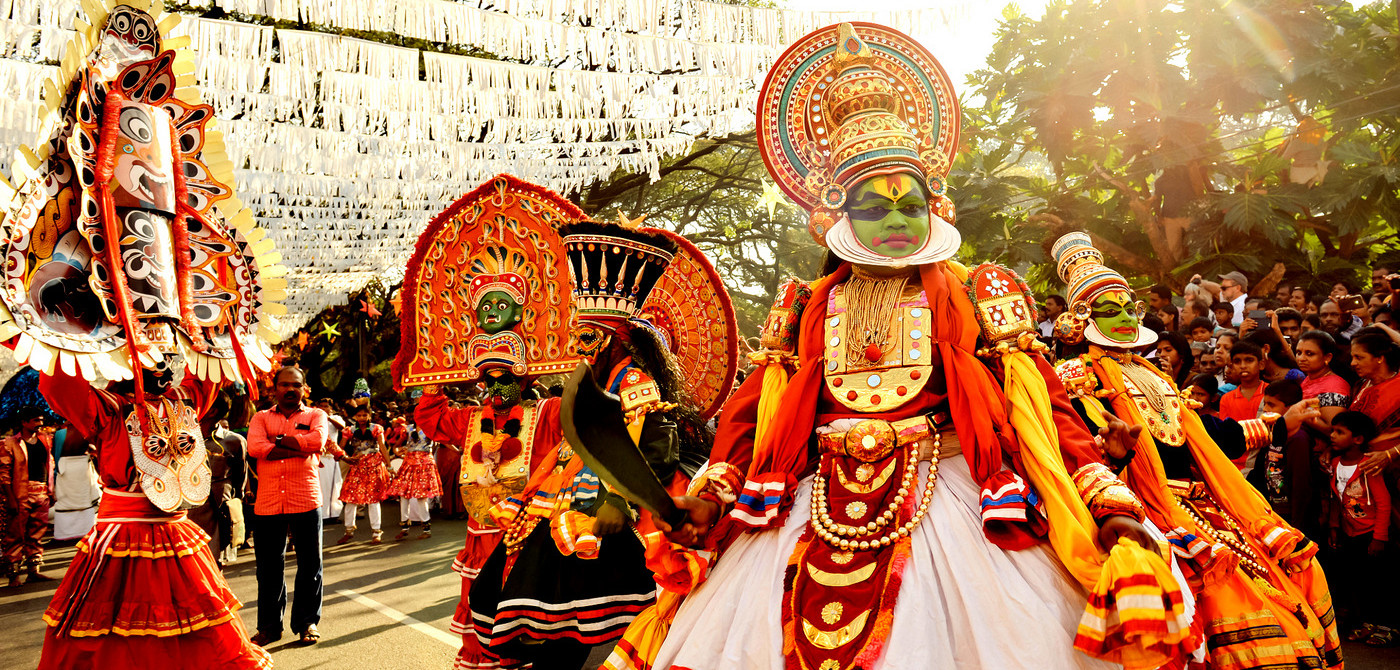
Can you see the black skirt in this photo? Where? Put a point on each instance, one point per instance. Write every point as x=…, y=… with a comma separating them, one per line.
x=548, y=596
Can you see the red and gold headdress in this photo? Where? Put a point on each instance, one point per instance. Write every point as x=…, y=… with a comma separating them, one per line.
x=849, y=102
x=124, y=238
x=627, y=276
x=502, y=237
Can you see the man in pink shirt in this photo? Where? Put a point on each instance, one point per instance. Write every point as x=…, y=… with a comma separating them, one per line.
x=287, y=441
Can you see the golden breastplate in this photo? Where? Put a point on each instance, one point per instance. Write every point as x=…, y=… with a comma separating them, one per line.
x=486, y=482
x=1157, y=401
x=897, y=373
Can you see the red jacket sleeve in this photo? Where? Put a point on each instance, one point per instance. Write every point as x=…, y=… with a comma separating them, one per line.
x=442, y=423
x=74, y=399
x=259, y=444
x=311, y=441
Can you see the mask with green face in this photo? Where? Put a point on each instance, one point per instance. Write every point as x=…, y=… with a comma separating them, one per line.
x=497, y=311
x=1116, y=316
x=890, y=215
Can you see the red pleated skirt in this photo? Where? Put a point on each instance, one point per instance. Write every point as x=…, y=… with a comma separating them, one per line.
x=417, y=477
x=144, y=592
x=367, y=481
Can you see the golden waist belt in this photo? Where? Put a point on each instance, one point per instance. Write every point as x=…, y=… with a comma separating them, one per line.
x=874, y=439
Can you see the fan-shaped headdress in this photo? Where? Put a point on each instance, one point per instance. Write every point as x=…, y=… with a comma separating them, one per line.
x=502, y=237
x=655, y=279
x=849, y=102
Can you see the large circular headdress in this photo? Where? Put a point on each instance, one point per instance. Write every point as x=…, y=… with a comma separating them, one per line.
x=851, y=101
x=690, y=303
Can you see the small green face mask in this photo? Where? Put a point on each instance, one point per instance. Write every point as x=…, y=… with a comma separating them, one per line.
x=889, y=214
x=496, y=312
x=1116, y=316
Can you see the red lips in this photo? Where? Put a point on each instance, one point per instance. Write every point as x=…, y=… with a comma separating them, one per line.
x=897, y=240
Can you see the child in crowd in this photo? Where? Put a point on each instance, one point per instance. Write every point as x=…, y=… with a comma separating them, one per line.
x=1359, y=525
x=1206, y=390
x=1282, y=472
x=1207, y=363
x=1202, y=332
x=1224, y=316
x=367, y=483
x=416, y=483
x=1242, y=403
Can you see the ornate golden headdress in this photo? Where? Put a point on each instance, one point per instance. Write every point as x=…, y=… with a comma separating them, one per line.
x=849, y=102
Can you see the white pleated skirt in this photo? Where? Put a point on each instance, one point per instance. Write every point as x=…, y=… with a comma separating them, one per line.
x=964, y=602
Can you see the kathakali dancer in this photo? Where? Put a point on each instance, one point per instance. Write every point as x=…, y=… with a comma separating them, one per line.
x=656, y=326
x=1263, y=601
x=487, y=299
x=886, y=506
x=125, y=249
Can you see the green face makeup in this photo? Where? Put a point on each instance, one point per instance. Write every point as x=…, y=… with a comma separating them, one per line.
x=497, y=312
x=889, y=214
x=1116, y=316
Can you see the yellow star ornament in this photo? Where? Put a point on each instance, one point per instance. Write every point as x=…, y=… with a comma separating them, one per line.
x=771, y=198
x=329, y=331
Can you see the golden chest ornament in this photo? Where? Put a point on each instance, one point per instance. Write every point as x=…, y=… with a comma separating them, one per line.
x=885, y=376
x=1156, y=401
x=489, y=481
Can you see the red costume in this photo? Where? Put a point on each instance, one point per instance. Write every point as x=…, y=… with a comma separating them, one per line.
x=471, y=428
x=144, y=588
x=25, y=516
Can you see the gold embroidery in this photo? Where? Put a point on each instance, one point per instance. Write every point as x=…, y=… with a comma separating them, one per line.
x=842, y=557
x=830, y=664
x=831, y=613
x=862, y=489
x=835, y=639
x=864, y=472
x=856, y=510
x=834, y=579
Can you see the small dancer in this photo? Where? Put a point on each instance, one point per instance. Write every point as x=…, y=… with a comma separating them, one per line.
x=362, y=446
x=416, y=483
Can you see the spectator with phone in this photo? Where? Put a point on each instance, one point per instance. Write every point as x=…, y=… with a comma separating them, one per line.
x=1290, y=323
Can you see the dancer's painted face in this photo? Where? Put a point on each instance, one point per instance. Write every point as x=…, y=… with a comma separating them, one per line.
x=496, y=312
x=1115, y=313
x=889, y=214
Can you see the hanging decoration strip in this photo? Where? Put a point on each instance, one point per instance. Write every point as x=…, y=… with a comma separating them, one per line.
x=344, y=148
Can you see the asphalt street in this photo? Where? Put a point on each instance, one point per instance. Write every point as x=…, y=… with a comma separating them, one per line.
x=386, y=606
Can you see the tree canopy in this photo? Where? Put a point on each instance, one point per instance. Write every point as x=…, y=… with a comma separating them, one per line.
x=1188, y=136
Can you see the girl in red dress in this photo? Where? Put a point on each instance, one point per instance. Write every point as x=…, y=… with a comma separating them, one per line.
x=416, y=483
x=363, y=447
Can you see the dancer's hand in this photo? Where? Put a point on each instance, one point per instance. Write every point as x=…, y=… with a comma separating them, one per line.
x=1118, y=437
x=609, y=521
x=1119, y=526
x=701, y=516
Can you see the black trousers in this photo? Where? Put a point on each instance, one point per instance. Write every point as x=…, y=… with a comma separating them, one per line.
x=270, y=548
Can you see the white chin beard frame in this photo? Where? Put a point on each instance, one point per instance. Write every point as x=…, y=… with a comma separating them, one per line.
x=1093, y=334
x=942, y=243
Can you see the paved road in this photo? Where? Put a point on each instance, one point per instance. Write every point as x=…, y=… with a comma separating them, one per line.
x=385, y=607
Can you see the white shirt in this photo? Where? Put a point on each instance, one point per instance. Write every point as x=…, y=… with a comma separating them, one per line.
x=1344, y=473
x=1238, y=304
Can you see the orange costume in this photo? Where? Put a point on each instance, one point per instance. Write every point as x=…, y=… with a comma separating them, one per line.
x=887, y=499
x=1263, y=601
